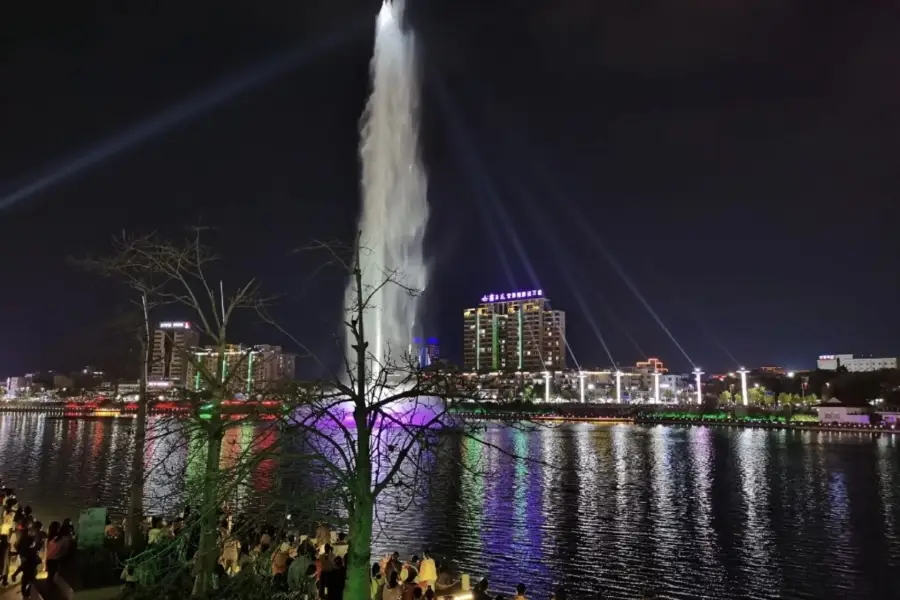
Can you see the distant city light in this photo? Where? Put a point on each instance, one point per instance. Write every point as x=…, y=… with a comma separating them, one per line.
x=512, y=296
x=175, y=325
x=619, y=375
x=745, y=399
x=790, y=374
x=581, y=377
x=697, y=374
x=546, y=386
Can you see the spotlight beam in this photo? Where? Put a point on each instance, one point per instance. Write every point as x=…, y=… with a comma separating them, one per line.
x=176, y=114
x=544, y=180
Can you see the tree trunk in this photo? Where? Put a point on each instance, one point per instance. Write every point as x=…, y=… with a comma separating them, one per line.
x=360, y=554
x=362, y=510
x=134, y=537
x=208, y=553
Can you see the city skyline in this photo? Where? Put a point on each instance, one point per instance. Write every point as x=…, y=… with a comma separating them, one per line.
x=703, y=176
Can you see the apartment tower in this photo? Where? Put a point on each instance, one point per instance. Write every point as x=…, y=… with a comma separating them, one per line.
x=172, y=340
x=514, y=331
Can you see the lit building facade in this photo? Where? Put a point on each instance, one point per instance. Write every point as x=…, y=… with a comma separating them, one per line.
x=772, y=370
x=855, y=364
x=18, y=386
x=426, y=350
x=643, y=376
x=514, y=331
x=248, y=369
x=172, y=340
x=651, y=365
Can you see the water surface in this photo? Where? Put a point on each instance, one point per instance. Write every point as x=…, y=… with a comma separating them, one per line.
x=617, y=510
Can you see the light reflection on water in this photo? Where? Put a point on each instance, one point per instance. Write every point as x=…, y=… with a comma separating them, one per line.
x=687, y=512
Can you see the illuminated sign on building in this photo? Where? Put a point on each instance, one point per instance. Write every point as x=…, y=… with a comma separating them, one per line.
x=512, y=296
x=175, y=325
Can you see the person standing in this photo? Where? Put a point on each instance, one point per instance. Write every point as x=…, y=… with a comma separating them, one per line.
x=57, y=547
x=376, y=591
x=323, y=536
x=4, y=560
x=427, y=571
x=520, y=592
x=392, y=590
x=29, y=566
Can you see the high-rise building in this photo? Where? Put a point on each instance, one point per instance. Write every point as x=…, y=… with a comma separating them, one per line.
x=248, y=369
x=172, y=340
x=427, y=350
x=515, y=331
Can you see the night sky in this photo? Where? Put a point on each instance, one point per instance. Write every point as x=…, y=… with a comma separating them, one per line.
x=738, y=161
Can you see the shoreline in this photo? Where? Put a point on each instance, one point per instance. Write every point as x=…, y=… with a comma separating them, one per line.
x=808, y=426
x=645, y=420
x=61, y=411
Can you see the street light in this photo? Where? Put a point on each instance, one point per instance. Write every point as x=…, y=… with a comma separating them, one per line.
x=547, y=386
x=697, y=374
x=744, y=397
x=791, y=374
x=656, y=387
x=581, y=384
x=619, y=387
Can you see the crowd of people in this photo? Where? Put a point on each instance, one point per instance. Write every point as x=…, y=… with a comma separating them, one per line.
x=26, y=548
x=314, y=567
x=308, y=567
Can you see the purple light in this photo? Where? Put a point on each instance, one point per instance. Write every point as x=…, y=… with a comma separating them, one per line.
x=512, y=296
x=421, y=411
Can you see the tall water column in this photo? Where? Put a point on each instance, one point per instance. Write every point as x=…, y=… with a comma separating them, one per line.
x=394, y=207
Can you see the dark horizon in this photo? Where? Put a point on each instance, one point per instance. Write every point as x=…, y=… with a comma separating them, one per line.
x=735, y=164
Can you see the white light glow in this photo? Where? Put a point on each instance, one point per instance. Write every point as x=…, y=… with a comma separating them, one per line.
x=546, y=386
x=581, y=383
x=656, y=387
x=697, y=374
x=619, y=387
x=394, y=207
x=744, y=397
x=385, y=15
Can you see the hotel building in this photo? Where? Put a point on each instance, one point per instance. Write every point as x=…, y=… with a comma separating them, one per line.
x=172, y=340
x=514, y=331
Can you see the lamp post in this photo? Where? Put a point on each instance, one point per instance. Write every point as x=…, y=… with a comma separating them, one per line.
x=547, y=386
x=581, y=385
x=656, y=387
x=619, y=387
x=697, y=374
x=744, y=397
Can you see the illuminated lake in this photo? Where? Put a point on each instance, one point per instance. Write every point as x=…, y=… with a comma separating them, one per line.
x=615, y=511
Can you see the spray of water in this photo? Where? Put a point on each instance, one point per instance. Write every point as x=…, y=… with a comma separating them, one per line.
x=394, y=207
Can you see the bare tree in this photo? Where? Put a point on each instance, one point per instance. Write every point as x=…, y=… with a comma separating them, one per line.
x=179, y=271
x=368, y=431
x=124, y=264
x=371, y=427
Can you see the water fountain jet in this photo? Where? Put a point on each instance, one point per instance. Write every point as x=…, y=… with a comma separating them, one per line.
x=394, y=207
